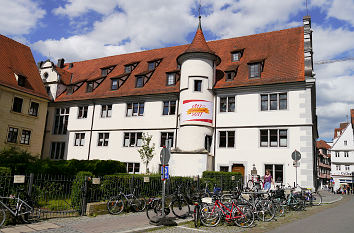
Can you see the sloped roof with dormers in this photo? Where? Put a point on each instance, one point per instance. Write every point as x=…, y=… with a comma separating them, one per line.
x=281, y=53
x=17, y=58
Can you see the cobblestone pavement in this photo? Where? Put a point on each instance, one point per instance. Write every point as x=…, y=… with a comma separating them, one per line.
x=131, y=222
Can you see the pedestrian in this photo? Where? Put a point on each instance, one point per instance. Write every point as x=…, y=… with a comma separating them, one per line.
x=268, y=180
x=348, y=189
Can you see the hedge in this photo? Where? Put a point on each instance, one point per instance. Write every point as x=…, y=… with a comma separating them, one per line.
x=223, y=180
x=21, y=162
x=77, y=188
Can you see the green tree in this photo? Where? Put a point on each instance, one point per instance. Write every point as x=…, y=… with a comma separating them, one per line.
x=146, y=151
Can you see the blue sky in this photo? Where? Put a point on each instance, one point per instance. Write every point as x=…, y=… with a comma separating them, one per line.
x=86, y=29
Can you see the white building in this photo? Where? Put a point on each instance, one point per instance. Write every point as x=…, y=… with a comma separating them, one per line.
x=342, y=154
x=226, y=105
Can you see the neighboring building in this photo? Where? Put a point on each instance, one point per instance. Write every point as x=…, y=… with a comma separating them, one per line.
x=323, y=163
x=23, y=98
x=225, y=105
x=342, y=154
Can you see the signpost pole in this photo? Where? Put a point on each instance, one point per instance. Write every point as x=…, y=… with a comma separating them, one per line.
x=163, y=187
x=296, y=173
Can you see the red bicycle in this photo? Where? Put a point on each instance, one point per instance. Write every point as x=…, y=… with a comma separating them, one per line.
x=211, y=214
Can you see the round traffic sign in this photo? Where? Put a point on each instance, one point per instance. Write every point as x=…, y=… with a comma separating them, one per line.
x=165, y=156
x=296, y=155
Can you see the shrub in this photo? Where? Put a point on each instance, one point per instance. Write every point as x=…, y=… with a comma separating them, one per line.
x=222, y=179
x=77, y=189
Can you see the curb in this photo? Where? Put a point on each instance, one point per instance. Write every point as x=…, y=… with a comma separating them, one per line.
x=330, y=202
x=152, y=227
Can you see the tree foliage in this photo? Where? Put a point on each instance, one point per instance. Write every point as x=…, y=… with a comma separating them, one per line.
x=147, y=151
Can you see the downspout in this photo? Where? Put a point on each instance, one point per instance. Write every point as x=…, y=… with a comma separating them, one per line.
x=215, y=109
x=93, y=116
x=178, y=98
x=44, y=134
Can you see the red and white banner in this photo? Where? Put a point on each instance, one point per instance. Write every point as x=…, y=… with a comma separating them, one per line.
x=197, y=110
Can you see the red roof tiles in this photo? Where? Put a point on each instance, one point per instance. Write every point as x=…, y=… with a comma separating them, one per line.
x=198, y=44
x=282, y=53
x=352, y=116
x=322, y=145
x=17, y=58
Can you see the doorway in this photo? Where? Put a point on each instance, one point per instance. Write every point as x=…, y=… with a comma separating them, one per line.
x=239, y=168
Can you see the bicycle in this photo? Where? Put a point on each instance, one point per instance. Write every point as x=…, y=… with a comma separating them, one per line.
x=116, y=204
x=311, y=198
x=255, y=183
x=154, y=209
x=180, y=204
x=18, y=207
x=211, y=214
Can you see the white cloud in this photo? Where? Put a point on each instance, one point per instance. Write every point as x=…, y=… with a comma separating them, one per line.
x=74, y=8
x=18, y=17
x=140, y=24
x=339, y=9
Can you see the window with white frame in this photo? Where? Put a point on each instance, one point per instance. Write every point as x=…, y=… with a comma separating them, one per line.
x=235, y=56
x=337, y=154
x=227, y=104
x=171, y=79
x=346, y=154
x=345, y=142
x=12, y=135
x=166, y=136
x=255, y=70
x=169, y=107
x=89, y=87
x=106, y=110
x=33, y=110
x=25, y=137
x=139, y=81
x=135, y=109
x=132, y=168
x=273, y=137
x=82, y=113
x=79, y=139
x=198, y=85
x=277, y=101
x=338, y=167
x=133, y=139
x=226, y=138
x=347, y=167
x=61, y=120
x=57, y=150
x=277, y=172
x=103, y=139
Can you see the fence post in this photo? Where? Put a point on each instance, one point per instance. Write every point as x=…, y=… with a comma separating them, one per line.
x=30, y=184
x=131, y=184
x=198, y=184
x=84, y=197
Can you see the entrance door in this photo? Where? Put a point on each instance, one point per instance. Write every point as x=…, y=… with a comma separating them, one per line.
x=239, y=168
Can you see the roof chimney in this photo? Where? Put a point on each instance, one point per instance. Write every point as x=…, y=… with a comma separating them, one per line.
x=308, y=47
x=61, y=62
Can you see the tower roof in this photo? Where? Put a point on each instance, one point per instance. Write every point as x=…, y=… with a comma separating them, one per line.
x=199, y=44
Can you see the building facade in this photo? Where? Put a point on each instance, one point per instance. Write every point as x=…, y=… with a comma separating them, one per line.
x=323, y=164
x=342, y=154
x=226, y=105
x=23, y=98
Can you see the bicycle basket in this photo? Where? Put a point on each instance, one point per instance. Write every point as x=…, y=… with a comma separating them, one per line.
x=207, y=200
x=245, y=196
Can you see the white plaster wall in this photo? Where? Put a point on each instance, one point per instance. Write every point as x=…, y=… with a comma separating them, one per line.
x=82, y=123
x=187, y=164
x=248, y=152
x=52, y=77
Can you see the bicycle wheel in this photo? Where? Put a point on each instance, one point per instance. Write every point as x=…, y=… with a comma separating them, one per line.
x=115, y=205
x=2, y=217
x=279, y=209
x=196, y=216
x=316, y=199
x=154, y=211
x=244, y=216
x=137, y=204
x=26, y=213
x=180, y=208
x=210, y=216
x=265, y=210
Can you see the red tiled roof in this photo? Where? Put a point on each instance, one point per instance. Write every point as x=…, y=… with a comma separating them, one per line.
x=343, y=125
x=322, y=145
x=198, y=44
x=65, y=76
x=352, y=116
x=17, y=58
x=282, y=53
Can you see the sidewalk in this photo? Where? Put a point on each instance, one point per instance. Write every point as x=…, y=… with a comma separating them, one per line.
x=130, y=222
x=328, y=197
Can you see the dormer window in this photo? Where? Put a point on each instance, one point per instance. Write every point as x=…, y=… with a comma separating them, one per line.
x=171, y=79
x=106, y=70
x=114, y=84
x=230, y=75
x=139, y=81
x=21, y=81
x=255, y=69
x=151, y=65
x=128, y=69
x=235, y=56
x=69, y=90
x=89, y=87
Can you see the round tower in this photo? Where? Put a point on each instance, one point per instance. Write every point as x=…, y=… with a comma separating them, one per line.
x=196, y=105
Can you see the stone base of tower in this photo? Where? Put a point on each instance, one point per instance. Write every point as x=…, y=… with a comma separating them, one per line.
x=189, y=164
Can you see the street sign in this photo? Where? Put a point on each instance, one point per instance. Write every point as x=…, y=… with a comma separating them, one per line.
x=19, y=179
x=296, y=155
x=296, y=163
x=165, y=156
x=164, y=173
x=146, y=179
x=96, y=181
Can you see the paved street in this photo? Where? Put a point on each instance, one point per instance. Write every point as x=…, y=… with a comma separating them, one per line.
x=337, y=217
